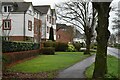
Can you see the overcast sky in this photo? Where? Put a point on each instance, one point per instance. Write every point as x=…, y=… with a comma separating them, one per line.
x=45, y=2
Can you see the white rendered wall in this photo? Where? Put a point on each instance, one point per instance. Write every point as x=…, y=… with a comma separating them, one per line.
x=16, y=25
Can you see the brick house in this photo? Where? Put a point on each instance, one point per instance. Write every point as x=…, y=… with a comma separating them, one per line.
x=48, y=18
x=64, y=33
x=20, y=22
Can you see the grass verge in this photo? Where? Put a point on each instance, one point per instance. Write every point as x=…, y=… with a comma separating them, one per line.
x=113, y=68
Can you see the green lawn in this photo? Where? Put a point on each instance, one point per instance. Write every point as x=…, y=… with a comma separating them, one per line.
x=44, y=63
x=113, y=69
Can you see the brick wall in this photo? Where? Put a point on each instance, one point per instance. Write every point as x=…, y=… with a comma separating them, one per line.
x=65, y=35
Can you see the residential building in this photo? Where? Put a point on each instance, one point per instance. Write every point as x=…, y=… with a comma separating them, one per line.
x=20, y=22
x=64, y=33
x=48, y=18
x=79, y=37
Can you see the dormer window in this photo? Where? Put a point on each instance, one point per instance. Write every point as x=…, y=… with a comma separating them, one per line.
x=7, y=8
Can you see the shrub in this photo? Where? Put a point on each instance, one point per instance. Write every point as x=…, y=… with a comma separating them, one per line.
x=71, y=48
x=18, y=46
x=61, y=46
x=48, y=50
x=77, y=46
x=117, y=45
x=93, y=46
x=49, y=44
x=12, y=57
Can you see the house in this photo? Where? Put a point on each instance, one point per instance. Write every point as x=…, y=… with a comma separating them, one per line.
x=48, y=18
x=64, y=33
x=79, y=37
x=20, y=22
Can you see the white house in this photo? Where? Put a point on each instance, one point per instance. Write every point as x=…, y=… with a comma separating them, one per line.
x=48, y=20
x=18, y=21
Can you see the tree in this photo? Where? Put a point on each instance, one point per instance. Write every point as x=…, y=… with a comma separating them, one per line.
x=102, y=38
x=116, y=20
x=79, y=14
x=51, y=36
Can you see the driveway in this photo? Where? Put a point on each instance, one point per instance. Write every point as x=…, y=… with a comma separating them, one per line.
x=113, y=51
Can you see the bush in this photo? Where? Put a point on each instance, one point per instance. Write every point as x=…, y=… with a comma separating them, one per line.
x=93, y=46
x=49, y=44
x=77, y=46
x=61, y=46
x=12, y=57
x=18, y=46
x=48, y=50
x=117, y=45
x=71, y=48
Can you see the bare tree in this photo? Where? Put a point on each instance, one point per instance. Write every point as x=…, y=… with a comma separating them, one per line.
x=116, y=19
x=80, y=14
x=102, y=38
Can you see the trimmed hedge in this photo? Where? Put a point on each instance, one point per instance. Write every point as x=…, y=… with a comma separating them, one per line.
x=48, y=50
x=57, y=45
x=18, y=46
x=61, y=46
x=12, y=57
x=49, y=44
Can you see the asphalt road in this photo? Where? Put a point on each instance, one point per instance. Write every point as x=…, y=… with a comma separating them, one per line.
x=113, y=51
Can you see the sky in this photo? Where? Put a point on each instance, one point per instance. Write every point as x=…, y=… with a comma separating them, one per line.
x=53, y=2
x=45, y=2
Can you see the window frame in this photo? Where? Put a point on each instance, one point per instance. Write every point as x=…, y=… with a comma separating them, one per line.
x=8, y=25
x=29, y=25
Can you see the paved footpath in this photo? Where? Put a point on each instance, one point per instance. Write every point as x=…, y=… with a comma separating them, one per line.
x=77, y=70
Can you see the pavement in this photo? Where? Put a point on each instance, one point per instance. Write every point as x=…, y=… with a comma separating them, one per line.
x=113, y=51
x=77, y=70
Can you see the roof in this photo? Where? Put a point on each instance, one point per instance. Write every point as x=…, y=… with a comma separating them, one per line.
x=18, y=6
x=62, y=26
x=42, y=8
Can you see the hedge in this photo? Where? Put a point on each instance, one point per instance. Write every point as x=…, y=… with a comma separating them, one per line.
x=18, y=46
x=48, y=50
x=57, y=45
x=12, y=57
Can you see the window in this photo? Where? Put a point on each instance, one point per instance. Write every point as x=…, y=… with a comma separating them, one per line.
x=53, y=21
x=6, y=38
x=7, y=8
x=47, y=17
x=6, y=24
x=29, y=25
x=48, y=29
x=50, y=19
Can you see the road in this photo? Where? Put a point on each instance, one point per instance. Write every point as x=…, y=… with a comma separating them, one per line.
x=113, y=51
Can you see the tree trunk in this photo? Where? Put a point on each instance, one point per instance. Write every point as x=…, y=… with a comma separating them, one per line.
x=88, y=42
x=102, y=39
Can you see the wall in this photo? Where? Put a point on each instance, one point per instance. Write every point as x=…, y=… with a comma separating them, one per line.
x=65, y=35
x=29, y=16
x=16, y=25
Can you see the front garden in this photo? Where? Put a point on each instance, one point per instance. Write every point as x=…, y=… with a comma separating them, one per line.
x=47, y=66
